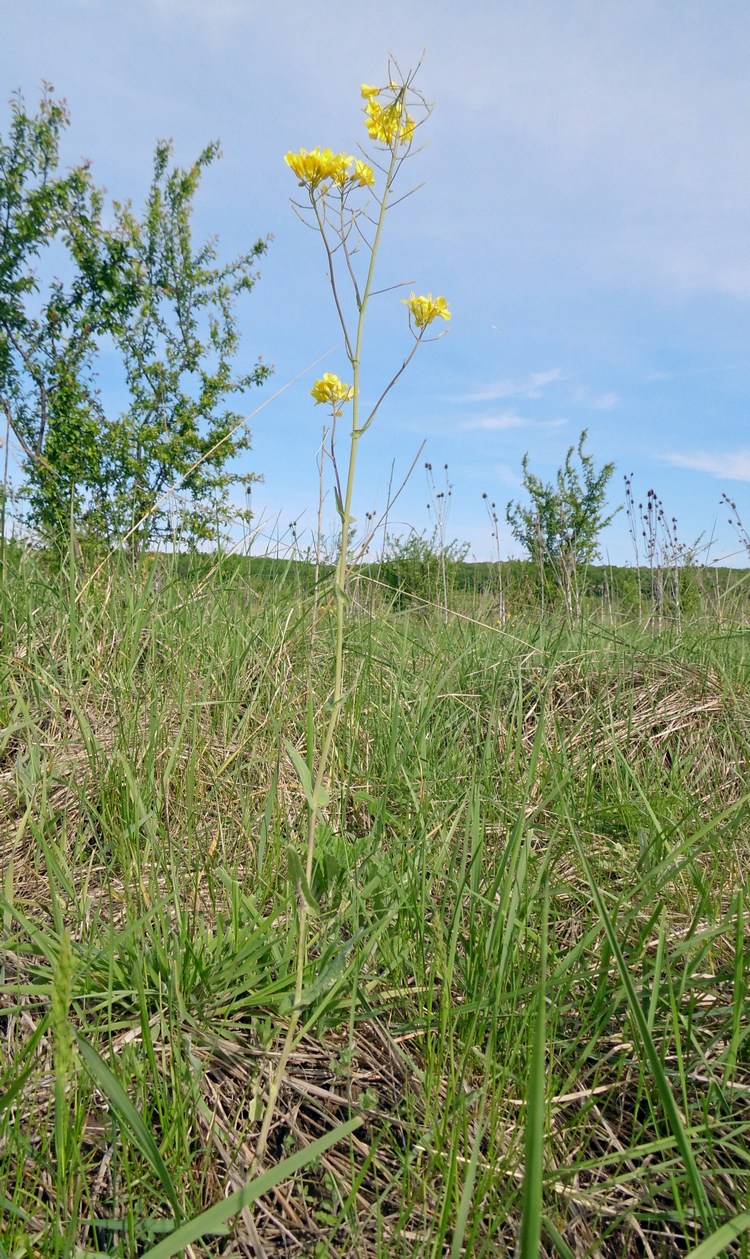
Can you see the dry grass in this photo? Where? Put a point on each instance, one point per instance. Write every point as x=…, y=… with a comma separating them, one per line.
x=147, y=811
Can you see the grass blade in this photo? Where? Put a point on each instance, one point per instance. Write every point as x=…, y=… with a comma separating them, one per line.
x=718, y=1241
x=107, y=1081
x=211, y=1220
x=531, y=1220
x=464, y=1206
x=664, y=1090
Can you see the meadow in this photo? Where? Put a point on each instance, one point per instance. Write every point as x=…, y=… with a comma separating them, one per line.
x=524, y=1004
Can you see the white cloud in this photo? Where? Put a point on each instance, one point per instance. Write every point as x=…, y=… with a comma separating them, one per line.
x=596, y=401
x=620, y=143
x=734, y=465
x=506, y=475
x=509, y=419
x=656, y=377
x=529, y=387
x=222, y=9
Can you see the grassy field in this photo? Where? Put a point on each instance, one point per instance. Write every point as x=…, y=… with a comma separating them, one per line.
x=524, y=1017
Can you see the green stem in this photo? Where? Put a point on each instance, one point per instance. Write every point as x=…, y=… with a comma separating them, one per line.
x=342, y=573
x=342, y=565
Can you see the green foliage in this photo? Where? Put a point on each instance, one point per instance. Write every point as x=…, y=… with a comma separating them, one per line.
x=48, y=334
x=177, y=347
x=140, y=288
x=413, y=565
x=560, y=527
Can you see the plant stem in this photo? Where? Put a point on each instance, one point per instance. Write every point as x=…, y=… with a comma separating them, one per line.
x=342, y=574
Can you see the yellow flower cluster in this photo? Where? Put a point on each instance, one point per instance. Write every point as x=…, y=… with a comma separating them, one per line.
x=363, y=174
x=389, y=124
x=330, y=389
x=424, y=309
x=323, y=166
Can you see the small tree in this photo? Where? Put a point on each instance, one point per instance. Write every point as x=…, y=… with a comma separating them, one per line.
x=166, y=309
x=177, y=344
x=48, y=332
x=560, y=527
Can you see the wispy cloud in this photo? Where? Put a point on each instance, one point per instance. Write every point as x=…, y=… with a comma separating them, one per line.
x=505, y=475
x=734, y=465
x=596, y=401
x=197, y=8
x=715, y=369
x=509, y=419
x=528, y=387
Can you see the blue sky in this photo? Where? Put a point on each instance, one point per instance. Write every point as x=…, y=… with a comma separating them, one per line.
x=585, y=210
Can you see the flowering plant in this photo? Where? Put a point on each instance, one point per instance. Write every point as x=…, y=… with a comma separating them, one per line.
x=347, y=204
x=334, y=183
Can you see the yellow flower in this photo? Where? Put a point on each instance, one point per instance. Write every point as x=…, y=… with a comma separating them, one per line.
x=424, y=309
x=305, y=165
x=363, y=174
x=406, y=134
x=367, y=91
x=330, y=389
x=318, y=166
x=384, y=122
x=381, y=123
x=340, y=168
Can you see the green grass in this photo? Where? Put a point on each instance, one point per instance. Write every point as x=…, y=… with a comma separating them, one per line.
x=527, y=971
